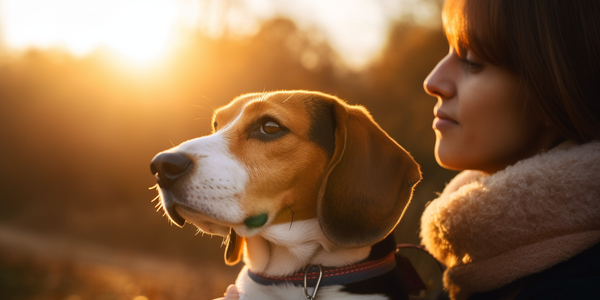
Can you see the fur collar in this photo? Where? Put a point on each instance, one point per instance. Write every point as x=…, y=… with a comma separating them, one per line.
x=491, y=230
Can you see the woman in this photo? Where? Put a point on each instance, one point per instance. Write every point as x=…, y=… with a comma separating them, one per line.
x=518, y=110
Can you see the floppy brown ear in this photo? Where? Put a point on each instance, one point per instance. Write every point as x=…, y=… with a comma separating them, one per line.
x=369, y=181
x=234, y=248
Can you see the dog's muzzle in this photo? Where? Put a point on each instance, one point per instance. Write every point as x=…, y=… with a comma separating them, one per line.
x=168, y=169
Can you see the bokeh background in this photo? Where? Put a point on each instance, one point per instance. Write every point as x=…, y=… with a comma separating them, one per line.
x=91, y=90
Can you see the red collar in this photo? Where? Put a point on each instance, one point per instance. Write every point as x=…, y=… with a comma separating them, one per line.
x=332, y=275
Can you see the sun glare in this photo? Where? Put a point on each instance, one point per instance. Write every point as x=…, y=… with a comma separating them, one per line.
x=139, y=30
x=142, y=31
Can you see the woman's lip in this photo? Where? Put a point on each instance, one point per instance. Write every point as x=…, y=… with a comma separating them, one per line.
x=441, y=123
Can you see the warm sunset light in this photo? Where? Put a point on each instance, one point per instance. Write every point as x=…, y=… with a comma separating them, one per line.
x=142, y=31
x=139, y=30
x=92, y=90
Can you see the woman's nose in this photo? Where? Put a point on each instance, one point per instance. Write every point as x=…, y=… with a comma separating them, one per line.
x=440, y=81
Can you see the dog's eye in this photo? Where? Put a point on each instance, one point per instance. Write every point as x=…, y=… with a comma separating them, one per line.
x=266, y=129
x=270, y=127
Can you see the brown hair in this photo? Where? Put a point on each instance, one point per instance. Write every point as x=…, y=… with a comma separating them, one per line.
x=552, y=45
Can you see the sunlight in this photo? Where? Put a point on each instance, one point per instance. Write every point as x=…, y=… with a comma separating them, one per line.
x=142, y=32
x=136, y=29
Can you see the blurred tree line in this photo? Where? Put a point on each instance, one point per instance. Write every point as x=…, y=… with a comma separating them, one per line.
x=77, y=134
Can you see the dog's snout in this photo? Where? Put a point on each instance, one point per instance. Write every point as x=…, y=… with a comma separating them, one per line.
x=169, y=167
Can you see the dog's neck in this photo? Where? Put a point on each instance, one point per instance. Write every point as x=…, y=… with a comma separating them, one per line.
x=281, y=250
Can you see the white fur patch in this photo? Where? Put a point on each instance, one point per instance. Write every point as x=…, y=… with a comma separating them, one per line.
x=294, y=247
x=215, y=185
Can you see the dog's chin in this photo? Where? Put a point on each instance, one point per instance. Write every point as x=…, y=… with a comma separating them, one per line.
x=204, y=223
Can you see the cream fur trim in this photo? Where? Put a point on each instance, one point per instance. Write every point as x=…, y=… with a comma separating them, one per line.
x=492, y=230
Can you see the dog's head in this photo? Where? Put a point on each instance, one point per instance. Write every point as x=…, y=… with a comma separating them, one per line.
x=279, y=157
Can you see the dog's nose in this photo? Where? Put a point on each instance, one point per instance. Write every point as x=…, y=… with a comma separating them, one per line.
x=169, y=167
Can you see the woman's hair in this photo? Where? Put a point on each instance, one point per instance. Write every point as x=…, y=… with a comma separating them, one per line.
x=552, y=45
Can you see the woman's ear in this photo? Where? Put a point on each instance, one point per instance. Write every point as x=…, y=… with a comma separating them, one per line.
x=368, y=182
x=234, y=248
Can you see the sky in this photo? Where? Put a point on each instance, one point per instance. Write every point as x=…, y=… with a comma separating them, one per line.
x=143, y=30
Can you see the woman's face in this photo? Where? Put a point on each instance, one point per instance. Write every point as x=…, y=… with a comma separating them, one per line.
x=481, y=121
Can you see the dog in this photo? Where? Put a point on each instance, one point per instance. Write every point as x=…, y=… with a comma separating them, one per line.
x=305, y=186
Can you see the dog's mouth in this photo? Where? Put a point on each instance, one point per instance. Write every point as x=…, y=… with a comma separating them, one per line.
x=180, y=214
x=231, y=242
x=231, y=239
x=174, y=216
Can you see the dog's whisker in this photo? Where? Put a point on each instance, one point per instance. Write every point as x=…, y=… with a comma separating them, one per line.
x=155, y=198
x=292, y=220
x=288, y=98
x=209, y=100
x=263, y=97
x=201, y=107
x=158, y=206
x=154, y=187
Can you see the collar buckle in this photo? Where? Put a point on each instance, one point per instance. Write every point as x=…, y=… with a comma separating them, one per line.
x=314, y=293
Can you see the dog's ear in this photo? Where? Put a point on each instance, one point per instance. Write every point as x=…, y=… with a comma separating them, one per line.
x=234, y=248
x=368, y=182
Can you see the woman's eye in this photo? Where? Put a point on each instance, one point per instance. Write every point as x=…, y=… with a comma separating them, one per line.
x=471, y=66
x=270, y=127
x=471, y=63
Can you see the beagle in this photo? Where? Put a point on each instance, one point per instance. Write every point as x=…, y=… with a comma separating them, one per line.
x=307, y=187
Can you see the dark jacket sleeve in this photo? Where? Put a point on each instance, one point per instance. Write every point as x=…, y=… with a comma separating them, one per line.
x=576, y=278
